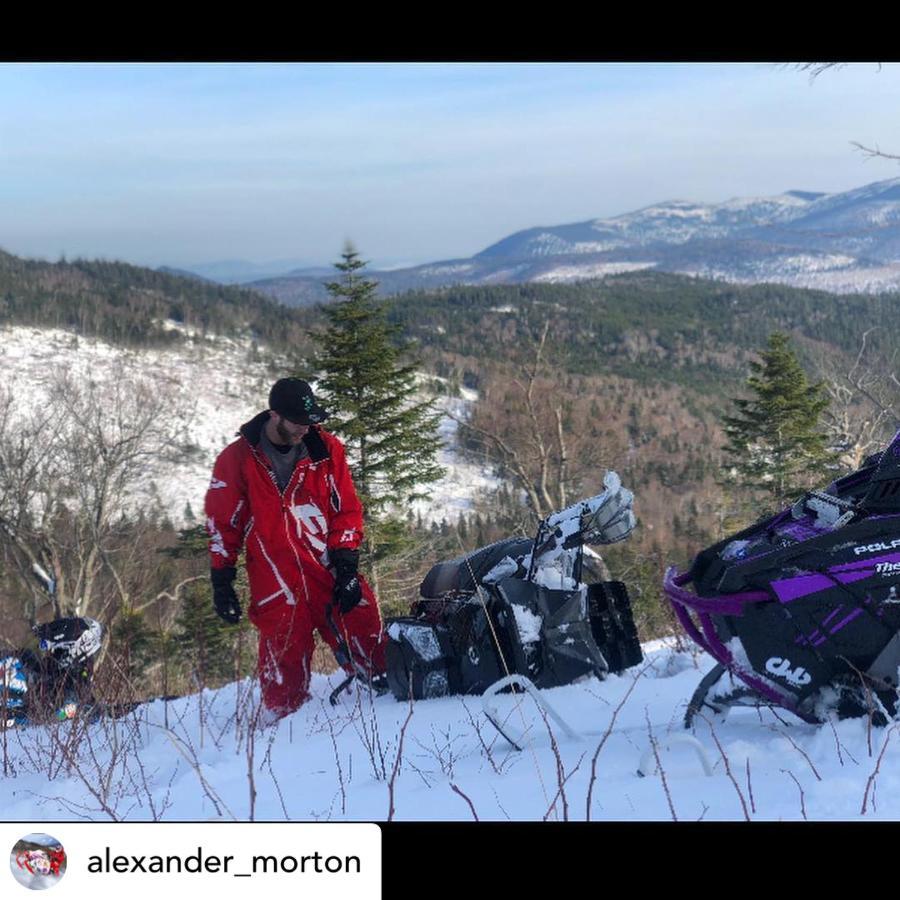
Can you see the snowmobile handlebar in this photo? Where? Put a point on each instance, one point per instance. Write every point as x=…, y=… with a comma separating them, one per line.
x=605, y=518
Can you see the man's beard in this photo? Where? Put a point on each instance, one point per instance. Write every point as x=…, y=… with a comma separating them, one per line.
x=285, y=435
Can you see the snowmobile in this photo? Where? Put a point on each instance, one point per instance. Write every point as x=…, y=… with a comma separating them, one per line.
x=54, y=683
x=801, y=610
x=519, y=607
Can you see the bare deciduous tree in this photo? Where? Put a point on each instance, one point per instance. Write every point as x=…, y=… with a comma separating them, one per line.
x=73, y=469
x=865, y=406
x=535, y=440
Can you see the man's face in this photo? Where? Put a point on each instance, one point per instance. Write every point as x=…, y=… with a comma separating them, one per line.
x=288, y=432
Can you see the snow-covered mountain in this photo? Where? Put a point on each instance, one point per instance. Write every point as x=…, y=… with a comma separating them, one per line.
x=849, y=216
x=673, y=222
x=872, y=206
x=844, y=242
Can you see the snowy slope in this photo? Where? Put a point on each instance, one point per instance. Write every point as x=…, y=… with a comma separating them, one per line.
x=215, y=386
x=679, y=221
x=871, y=206
x=671, y=222
x=325, y=763
x=462, y=481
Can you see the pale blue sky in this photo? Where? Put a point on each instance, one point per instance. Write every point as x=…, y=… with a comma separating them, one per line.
x=184, y=164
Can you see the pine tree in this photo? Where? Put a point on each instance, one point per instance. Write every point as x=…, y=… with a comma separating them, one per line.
x=775, y=446
x=367, y=381
x=369, y=387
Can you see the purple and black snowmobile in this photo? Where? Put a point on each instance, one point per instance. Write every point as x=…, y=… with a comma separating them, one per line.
x=801, y=610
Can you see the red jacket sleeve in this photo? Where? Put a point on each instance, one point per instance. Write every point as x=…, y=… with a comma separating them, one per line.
x=227, y=509
x=345, y=520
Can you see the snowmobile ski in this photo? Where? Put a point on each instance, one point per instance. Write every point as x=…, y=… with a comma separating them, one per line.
x=520, y=741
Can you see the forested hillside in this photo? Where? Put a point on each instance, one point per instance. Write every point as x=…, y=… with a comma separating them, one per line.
x=130, y=305
x=643, y=326
x=649, y=327
x=636, y=372
x=631, y=372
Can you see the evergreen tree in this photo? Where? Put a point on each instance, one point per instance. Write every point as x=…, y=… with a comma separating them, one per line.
x=775, y=446
x=205, y=643
x=133, y=648
x=201, y=645
x=391, y=437
x=368, y=384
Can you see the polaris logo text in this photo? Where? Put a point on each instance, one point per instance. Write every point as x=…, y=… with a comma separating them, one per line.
x=782, y=668
x=887, y=568
x=875, y=548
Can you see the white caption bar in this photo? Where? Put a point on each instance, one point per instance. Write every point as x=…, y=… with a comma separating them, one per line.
x=240, y=860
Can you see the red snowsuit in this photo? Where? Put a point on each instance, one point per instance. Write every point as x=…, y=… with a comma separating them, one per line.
x=287, y=537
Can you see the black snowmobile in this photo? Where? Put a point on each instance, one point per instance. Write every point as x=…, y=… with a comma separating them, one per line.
x=519, y=607
x=802, y=610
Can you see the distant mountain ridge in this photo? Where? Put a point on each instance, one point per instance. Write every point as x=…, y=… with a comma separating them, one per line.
x=847, y=242
x=241, y=271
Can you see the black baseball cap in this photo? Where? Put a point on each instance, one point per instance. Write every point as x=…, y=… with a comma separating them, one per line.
x=293, y=398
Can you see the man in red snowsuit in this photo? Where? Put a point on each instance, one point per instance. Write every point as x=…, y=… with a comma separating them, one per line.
x=283, y=490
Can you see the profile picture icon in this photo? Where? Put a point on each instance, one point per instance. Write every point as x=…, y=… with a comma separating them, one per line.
x=38, y=861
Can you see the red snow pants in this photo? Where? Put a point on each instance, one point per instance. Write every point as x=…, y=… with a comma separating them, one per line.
x=286, y=641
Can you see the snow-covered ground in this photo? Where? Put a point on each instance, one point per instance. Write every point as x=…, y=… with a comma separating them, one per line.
x=562, y=274
x=215, y=386
x=462, y=481
x=442, y=760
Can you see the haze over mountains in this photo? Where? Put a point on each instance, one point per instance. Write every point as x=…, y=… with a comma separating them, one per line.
x=242, y=271
x=844, y=242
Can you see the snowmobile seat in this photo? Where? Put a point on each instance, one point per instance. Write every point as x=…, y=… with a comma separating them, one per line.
x=464, y=574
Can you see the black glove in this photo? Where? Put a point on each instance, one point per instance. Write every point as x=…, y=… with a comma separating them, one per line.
x=225, y=599
x=347, y=589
